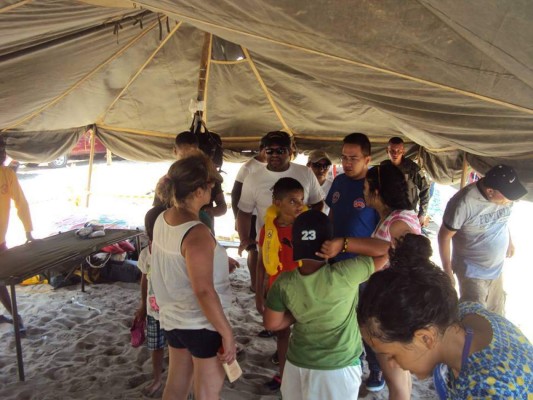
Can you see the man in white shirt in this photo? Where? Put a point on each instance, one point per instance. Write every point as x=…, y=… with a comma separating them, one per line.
x=256, y=189
x=253, y=164
x=319, y=162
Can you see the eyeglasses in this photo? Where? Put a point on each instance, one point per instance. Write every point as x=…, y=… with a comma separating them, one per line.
x=279, y=151
x=322, y=166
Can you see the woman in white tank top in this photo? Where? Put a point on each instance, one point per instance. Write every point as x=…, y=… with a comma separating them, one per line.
x=190, y=279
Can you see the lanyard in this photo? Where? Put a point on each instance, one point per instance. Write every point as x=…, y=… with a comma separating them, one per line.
x=441, y=372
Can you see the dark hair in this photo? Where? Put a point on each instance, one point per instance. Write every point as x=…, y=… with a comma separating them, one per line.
x=410, y=295
x=391, y=185
x=280, y=138
x=186, y=138
x=284, y=186
x=396, y=140
x=149, y=220
x=361, y=140
x=191, y=173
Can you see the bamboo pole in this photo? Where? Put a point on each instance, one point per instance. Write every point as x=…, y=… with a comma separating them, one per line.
x=89, y=178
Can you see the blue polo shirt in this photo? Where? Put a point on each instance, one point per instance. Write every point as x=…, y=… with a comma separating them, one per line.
x=351, y=216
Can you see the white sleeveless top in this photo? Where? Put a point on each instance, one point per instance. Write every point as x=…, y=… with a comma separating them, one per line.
x=178, y=306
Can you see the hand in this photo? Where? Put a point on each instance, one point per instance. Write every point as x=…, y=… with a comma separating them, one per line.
x=330, y=248
x=424, y=220
x=510, y=250
x=228, y=352
x=232, y=264
x=244, y=245
x=140, y=314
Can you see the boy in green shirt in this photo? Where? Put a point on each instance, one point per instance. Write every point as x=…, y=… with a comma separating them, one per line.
x=319, y=300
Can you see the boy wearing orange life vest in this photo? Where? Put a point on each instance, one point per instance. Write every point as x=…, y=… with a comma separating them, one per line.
x=275, y=253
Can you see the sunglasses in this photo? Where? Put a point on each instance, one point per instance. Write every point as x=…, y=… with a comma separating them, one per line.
x=318, y=165
x=279, y=151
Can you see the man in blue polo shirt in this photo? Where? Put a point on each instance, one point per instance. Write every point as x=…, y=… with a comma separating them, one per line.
x=348, y=211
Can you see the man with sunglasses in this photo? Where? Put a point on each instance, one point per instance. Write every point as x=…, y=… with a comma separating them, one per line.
x=257, y=186
x=319, y=162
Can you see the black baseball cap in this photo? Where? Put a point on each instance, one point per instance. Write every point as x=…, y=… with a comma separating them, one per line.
x=309, y=231
x=280, y=138
x=504, y=179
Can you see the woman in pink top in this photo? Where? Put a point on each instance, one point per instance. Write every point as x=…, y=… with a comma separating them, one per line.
x=386, y=191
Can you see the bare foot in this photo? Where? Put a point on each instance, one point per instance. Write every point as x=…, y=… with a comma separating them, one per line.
x=153, y=391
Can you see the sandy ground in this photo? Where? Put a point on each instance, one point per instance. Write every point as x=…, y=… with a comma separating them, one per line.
x=77, y=345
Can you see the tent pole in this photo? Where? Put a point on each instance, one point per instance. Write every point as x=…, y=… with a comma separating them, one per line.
x=91, y=159
x=465, y=171
x=202, y=76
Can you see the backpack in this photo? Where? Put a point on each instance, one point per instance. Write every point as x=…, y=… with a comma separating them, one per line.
x=209, y=142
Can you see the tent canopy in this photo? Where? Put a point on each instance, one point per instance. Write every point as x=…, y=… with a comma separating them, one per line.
x=452, y=78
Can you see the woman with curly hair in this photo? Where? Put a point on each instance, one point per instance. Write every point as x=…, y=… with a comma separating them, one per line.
x=410, y=314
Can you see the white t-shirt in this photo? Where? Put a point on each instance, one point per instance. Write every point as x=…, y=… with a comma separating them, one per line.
x=248, y=167
x=257, y=189
x=144, y=262
x=178, y=305
x=325, y=188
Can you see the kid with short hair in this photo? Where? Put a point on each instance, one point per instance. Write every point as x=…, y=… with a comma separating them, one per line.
x=275, y=253
x=149, y=309
x=319, y=300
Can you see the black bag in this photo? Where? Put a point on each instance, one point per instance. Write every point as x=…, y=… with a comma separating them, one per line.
x=210, y=143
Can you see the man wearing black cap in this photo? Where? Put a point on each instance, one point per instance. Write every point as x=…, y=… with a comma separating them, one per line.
x=256, y=189
x=476, y=222
x=319, y=300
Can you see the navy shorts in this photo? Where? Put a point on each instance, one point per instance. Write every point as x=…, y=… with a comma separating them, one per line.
x=201, y=343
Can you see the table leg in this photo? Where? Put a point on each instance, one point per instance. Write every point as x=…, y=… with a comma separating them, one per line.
x=82, y=269
x=16, y=322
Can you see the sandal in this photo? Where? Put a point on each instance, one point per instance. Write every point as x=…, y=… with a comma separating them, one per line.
x=265, y=334
x=274, y=384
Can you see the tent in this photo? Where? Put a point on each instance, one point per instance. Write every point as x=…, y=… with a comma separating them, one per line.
x=454, y=78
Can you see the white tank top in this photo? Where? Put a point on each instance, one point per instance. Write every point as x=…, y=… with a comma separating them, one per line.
x=178, y=306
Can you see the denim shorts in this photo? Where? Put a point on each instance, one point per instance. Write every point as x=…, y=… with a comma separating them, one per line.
x=201, y=343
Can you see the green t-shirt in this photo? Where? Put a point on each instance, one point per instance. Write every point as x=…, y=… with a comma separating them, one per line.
x=326, y=335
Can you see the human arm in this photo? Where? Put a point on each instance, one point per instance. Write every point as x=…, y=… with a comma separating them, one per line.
x=445, y=250
x=260, y=283
x=23, y=208
x=235, y=197
x=317, y=206
x=276, y=321
x=365, y=246
x=233, y=264
x=510, y=248
x=220, y=207
x=198, y=248
x=140, y=314
x=244, y=223
x=423, y=195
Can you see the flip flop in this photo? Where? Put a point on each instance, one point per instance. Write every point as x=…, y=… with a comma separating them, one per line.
x=5, y=320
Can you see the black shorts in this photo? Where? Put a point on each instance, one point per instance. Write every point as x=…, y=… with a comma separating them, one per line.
x=201, y=343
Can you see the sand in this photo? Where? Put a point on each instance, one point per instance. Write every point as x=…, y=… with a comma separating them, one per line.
x=77, y=345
